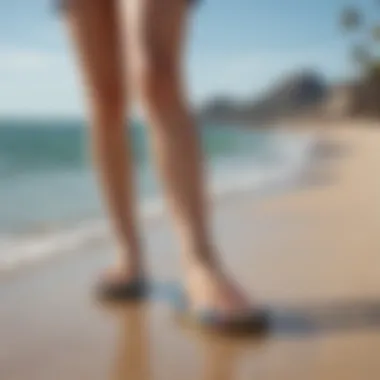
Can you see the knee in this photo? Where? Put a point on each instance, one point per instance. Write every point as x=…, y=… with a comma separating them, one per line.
x=107, y=105
x=157, y=80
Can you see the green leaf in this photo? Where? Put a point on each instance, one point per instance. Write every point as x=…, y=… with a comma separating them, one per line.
x=351, y=18
x=376, y=33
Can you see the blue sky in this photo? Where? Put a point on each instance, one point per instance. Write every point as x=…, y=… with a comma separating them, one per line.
x=237, y=47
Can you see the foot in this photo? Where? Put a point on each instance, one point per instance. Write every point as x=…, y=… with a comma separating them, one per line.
x=121, y=274
x=210, y=289
x=122, y=282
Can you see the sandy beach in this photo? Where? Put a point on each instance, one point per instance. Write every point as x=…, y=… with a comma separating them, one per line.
x=311, y=255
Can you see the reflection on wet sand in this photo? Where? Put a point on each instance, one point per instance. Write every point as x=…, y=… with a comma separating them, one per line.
x=222, y=354
x=133, y=346
x=220, y=361
x=219, y=355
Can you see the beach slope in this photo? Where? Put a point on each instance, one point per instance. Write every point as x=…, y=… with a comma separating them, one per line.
x=311, y=255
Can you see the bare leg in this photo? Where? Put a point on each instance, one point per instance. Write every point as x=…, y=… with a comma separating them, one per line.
x=156, y=30
x=93, y=25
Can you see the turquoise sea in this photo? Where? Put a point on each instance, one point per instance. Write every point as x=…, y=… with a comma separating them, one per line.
x=48, y=193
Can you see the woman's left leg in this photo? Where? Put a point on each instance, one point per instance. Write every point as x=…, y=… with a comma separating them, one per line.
x=155, y=35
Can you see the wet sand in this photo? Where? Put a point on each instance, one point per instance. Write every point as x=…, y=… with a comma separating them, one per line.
x=312, y=256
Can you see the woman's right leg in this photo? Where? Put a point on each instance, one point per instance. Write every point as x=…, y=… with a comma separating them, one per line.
x=94, y=29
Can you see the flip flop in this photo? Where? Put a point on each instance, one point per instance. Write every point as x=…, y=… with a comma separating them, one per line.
x=116, y=290
x=254, y=321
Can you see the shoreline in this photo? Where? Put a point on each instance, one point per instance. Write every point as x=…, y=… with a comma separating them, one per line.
x=31, y=247
x=34, y=248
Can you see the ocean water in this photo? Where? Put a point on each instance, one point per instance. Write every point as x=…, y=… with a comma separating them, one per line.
x=49, y=201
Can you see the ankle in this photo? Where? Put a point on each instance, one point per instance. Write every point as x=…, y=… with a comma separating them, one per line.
x=207, y=268
x=130, y=263
x=199, y=253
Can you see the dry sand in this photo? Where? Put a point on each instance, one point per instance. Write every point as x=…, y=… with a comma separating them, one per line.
x=312, y=255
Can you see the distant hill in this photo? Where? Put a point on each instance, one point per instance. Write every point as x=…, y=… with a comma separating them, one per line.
x=297, y=94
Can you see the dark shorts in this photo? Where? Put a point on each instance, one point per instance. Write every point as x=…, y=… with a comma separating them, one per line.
x=62, y=5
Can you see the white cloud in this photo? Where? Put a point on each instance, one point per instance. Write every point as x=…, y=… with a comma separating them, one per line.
x=15, y=59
